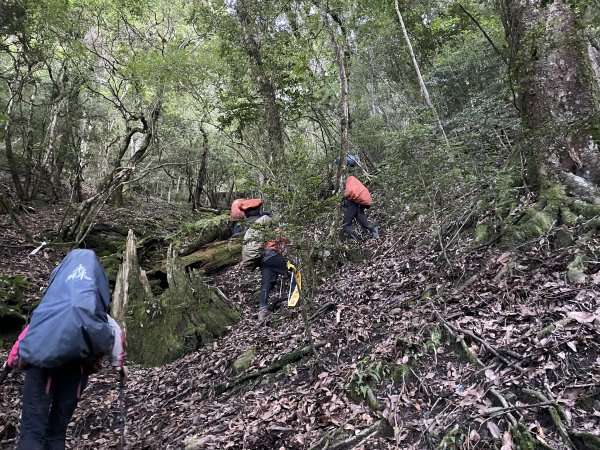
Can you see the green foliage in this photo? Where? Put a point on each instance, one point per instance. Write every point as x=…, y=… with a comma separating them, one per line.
x=12, y=288
x=367, y=374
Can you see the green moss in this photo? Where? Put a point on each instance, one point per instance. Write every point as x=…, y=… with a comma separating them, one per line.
x=534, y=224
x=399, y=371
x=111, y=265
x=207, y=225
x=215, y=257
x=576, y=270
x=523, y=438
x=12, y=288
x=481, y=233
x=450, y=439
x=183, y=318
x=585, y=441
x=244, y=361
x=586, y=210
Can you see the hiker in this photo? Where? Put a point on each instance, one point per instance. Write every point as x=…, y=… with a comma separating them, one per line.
x=273, y=263
x=356, y=198
x=268, y=255
x=69, y=333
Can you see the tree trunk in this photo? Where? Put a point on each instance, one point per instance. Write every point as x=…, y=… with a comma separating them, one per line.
x=87, y=212
x=8, y=150
x=28, y=136
x=341, y=56
x=201, y=179
x=266, y=85
x=550, y=62
x=418, y=72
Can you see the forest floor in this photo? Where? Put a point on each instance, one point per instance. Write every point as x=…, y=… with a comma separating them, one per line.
x=412, y=350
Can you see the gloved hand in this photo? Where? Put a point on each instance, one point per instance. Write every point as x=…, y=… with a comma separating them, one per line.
x=5, y=371
x=121, y=370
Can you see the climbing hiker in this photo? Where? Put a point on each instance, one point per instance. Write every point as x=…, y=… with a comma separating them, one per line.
x=356, y=198
x=267, y=254
x=69, y=333
x=273, y=263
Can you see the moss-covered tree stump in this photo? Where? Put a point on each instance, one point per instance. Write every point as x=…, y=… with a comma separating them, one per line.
x=160, y=329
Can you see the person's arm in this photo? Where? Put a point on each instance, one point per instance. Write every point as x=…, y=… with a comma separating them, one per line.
x=118, y=350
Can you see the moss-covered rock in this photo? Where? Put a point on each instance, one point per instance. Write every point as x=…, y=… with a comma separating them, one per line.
x=244, y=361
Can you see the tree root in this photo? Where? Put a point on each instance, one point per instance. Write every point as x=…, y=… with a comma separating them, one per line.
x=477, y=338
x=555, y=416
x=353, y=441
x=288, y=358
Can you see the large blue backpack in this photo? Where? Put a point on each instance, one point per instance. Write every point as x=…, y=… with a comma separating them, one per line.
x=71, y=321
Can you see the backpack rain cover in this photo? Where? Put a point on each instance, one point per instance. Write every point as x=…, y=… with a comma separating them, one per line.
x=71, y=321
x=357, y=192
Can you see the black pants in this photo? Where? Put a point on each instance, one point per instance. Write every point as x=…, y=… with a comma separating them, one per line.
x=270, y=269
x=50, y=397
x=355, y=211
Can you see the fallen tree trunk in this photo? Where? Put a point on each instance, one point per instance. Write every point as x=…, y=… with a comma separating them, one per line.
x=215, y=256
x=205, y=231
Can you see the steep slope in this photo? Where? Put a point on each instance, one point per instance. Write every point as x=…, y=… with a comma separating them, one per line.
x=494, y=350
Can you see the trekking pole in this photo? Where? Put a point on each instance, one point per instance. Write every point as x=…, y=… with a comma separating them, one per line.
x=5, y=371
x=122, y=406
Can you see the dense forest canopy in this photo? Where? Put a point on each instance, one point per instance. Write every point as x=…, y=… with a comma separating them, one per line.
x=200, y=100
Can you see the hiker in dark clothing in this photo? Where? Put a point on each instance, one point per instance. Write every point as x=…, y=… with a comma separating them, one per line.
x=354, y=211
x=273, y=264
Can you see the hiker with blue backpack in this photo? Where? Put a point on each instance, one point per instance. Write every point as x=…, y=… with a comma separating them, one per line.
x=68, y=335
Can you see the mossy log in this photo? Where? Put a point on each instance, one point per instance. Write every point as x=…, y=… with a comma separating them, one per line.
x=160, y=329
x=585, y=441
x=289, y=358
x=215, y=256
x=205, y=231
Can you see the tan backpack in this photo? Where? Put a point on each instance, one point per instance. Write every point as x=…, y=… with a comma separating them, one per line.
x=253, y=243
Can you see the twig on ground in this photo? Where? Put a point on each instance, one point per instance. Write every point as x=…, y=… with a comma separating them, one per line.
x=477, y=338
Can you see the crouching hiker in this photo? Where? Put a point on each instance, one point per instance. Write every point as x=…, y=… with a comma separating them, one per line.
x=356, y=198
x=69, y=333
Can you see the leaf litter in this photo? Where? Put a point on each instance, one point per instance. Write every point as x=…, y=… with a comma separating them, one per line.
x=415, y=355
